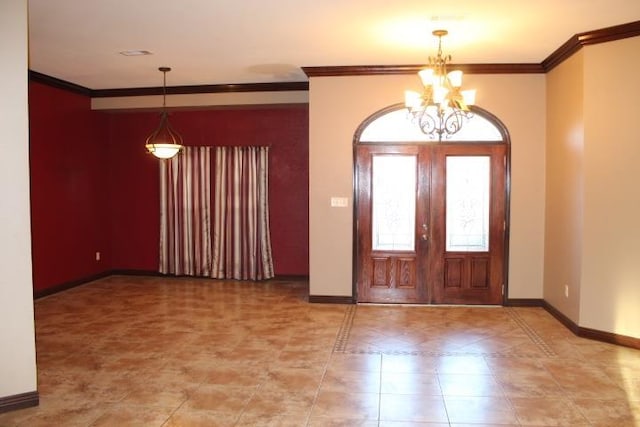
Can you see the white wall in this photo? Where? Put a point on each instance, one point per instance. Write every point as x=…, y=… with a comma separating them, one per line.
x=17, y=345
x=337, y=106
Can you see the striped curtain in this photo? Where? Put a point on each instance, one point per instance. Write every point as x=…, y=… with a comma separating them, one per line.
x=241, y=240
x=185, y=209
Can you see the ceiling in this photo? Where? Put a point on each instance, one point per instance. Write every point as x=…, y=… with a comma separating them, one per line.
x=210, y=42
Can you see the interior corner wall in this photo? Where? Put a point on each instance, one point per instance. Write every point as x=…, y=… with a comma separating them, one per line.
x=610, y=291
x=17, y=343
x=338, y=105
x=564, y=186
x=69, y=200
x=95, y=189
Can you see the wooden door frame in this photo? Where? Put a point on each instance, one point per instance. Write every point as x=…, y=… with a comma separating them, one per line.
x=506, y=140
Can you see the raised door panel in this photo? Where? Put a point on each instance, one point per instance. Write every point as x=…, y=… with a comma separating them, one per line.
x=390, y=255
x=467, y=219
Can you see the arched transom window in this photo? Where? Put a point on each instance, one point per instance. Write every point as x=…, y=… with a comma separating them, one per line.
x=394, y=125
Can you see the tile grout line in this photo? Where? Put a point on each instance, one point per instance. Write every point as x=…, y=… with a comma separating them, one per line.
x=317, y=393
x=380, y=393
x=345, y=329
x=342, y=341
x=531, y=333
x=495, y=355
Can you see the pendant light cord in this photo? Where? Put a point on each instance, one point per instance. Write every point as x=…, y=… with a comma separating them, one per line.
x=164, y=90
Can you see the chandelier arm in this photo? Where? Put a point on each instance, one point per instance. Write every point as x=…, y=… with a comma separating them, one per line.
x=453, y=121
x=428, y=124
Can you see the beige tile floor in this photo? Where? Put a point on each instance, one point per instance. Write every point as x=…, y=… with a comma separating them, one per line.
x=136, y=351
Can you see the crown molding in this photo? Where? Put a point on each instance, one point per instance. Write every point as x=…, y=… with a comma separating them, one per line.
x=575, y=43
x=186, y=90
x=37, y=77
x=571, y=46
x=371, y=70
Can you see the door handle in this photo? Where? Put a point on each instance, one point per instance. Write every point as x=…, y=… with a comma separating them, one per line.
x=424, y=235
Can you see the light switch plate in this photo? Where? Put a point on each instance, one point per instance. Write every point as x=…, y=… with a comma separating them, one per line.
x=339, y=202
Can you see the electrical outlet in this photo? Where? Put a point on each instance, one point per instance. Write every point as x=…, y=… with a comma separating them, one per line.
x=97, y=256
x=566, y=291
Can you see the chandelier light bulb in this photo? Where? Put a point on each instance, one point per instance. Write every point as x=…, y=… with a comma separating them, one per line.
x=412, y=99
x=455, y=78
x=469, y=96
x=426, y=76
x=439, y=94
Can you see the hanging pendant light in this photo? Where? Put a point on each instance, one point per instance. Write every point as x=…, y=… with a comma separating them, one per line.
x=164, y=142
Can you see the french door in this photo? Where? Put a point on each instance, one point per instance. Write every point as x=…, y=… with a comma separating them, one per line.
x=430, y=223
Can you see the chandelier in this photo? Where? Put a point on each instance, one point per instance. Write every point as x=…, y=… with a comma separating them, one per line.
x=441, y=109
x=164, y=142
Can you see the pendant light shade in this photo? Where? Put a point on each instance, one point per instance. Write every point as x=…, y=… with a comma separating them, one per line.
x=164, y=142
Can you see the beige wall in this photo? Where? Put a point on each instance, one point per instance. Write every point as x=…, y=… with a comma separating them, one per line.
x=610, y=292
x=337, y=106
x=17, y=346
x=565, y=187
x=593, y=203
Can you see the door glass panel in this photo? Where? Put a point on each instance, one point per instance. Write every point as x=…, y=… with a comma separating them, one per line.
x=467, y=203
x=394, y=202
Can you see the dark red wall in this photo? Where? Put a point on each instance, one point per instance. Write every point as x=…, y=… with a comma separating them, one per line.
x=133, y=179
x=69, y=207
x=94, y=188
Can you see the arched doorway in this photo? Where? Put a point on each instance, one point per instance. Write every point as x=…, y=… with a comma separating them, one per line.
x=431, y=218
